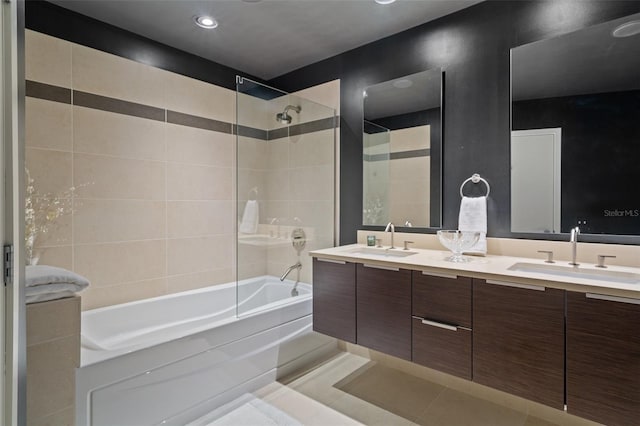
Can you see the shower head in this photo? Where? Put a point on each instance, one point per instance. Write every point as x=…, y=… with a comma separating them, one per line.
x=283, y=117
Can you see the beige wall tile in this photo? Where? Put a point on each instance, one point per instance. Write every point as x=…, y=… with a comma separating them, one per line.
x=274, y=209
x=315, y=214
x=278, y=154
x=110, y=75
x=187, y=255
x=198, y=98
x=50, y=376
x=312, y=183
x=312, y=149
x=58, y=232
x=252, y=153
x=277, y=184
x=194, y=182
x=250, y=253
x=97, y=297
x=50, y=170
x=197, y=146
x=254, y=112
x=198, y=218
x=65, y=417
x=111, y=264
x=53, y=320
x=47, y=124
x=119, y=135
x=251, y=270
x=47, y=59
x=327, y=94
x=111, y=177
x=55, y=256
x=416, y=169
x=99, y=221
x=178, y=283
x=411, y=138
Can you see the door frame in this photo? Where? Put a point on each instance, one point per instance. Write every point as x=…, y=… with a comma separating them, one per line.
x=13, y=318
x=557, y=167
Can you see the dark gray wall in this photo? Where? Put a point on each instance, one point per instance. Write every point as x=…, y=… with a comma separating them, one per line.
x=472, y=47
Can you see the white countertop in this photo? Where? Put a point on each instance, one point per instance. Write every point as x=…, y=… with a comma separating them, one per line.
x=490, y=267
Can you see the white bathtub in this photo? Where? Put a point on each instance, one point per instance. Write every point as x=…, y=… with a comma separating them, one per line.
x=171, y=359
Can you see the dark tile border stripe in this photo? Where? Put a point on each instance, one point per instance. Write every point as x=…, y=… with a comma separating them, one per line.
x=251, y=132
x=299, y=129
x=104, y=103
x=398, y=155
x=48, y=92
x=198, y=122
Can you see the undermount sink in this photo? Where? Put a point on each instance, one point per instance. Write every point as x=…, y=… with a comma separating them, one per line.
x=577, y=272
x=383, y=252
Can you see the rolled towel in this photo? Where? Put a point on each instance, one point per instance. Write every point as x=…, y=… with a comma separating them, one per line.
x=44, y=283
x=250, y=217
x=473, y=218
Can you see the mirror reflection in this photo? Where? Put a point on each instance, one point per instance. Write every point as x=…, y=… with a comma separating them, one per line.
x=575, y=145
x=402, y=151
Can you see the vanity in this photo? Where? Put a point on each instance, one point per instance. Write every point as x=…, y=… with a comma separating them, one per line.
x=562, y=336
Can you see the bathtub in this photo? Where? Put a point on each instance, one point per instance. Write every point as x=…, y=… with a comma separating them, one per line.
x=172, y=359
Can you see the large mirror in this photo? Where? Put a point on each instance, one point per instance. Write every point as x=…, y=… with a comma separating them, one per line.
x=402, y=146
x=575, y=142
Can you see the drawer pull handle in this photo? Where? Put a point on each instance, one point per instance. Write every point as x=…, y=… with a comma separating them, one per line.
x=613, y=298
x=386, y=268
x=440, y=275
x=439, y=325
x=339, y=262
x=516, y=285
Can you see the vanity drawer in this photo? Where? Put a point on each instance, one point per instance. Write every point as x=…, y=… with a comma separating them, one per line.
x=442, y=347
x=442, y=298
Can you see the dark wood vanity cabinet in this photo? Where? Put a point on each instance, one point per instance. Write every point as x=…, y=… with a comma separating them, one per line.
x=383, y=309
x=334, y=298
x=518, y=340
x=603, y=358
x=441, y=325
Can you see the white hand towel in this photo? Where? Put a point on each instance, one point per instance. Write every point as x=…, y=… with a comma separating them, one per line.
x=473, y=218
x=44, y=283
x=249, y=224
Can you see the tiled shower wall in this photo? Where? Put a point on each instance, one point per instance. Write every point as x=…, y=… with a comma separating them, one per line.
x=151, y=156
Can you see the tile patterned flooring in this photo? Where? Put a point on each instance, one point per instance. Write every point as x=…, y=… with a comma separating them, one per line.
x=352, y=390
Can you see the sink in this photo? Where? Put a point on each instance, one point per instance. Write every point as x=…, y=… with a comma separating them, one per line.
x=577, y=272
x=382, y=252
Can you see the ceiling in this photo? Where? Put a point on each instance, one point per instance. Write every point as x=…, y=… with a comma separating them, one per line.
x=266, y=38
x=583, y=62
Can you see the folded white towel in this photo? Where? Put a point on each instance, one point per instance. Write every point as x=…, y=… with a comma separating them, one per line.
x=250, y=217
x=44, y=282
x=473, y=218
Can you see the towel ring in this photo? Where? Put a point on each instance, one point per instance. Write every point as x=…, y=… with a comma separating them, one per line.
x=475, y=178
x=253, y=190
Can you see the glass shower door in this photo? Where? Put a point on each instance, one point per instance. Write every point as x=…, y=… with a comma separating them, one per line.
x=285, y=191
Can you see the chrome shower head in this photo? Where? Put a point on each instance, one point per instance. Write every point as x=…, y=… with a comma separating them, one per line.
x=283, y=117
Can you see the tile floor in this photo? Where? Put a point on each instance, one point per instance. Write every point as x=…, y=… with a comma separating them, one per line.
x=351, y=390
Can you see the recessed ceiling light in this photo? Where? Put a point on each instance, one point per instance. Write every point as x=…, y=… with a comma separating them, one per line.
x=627, y=29
x=205, y=22
x=403, y=83
x=384, y=1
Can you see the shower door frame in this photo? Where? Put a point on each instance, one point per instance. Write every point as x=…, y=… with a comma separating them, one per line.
x=13, y=318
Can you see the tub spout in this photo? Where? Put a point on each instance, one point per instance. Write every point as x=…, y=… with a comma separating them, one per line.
x=297, y=266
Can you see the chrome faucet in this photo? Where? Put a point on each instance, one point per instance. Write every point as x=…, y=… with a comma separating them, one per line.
x=574, y=245
x=297, y=266
x=393, y=229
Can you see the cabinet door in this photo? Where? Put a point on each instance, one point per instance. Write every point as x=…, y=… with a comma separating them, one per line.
x=603, y=358
x=518, y=340
x=334, y=299
x=442, y=298
x=384, y=310
x=442, y=347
